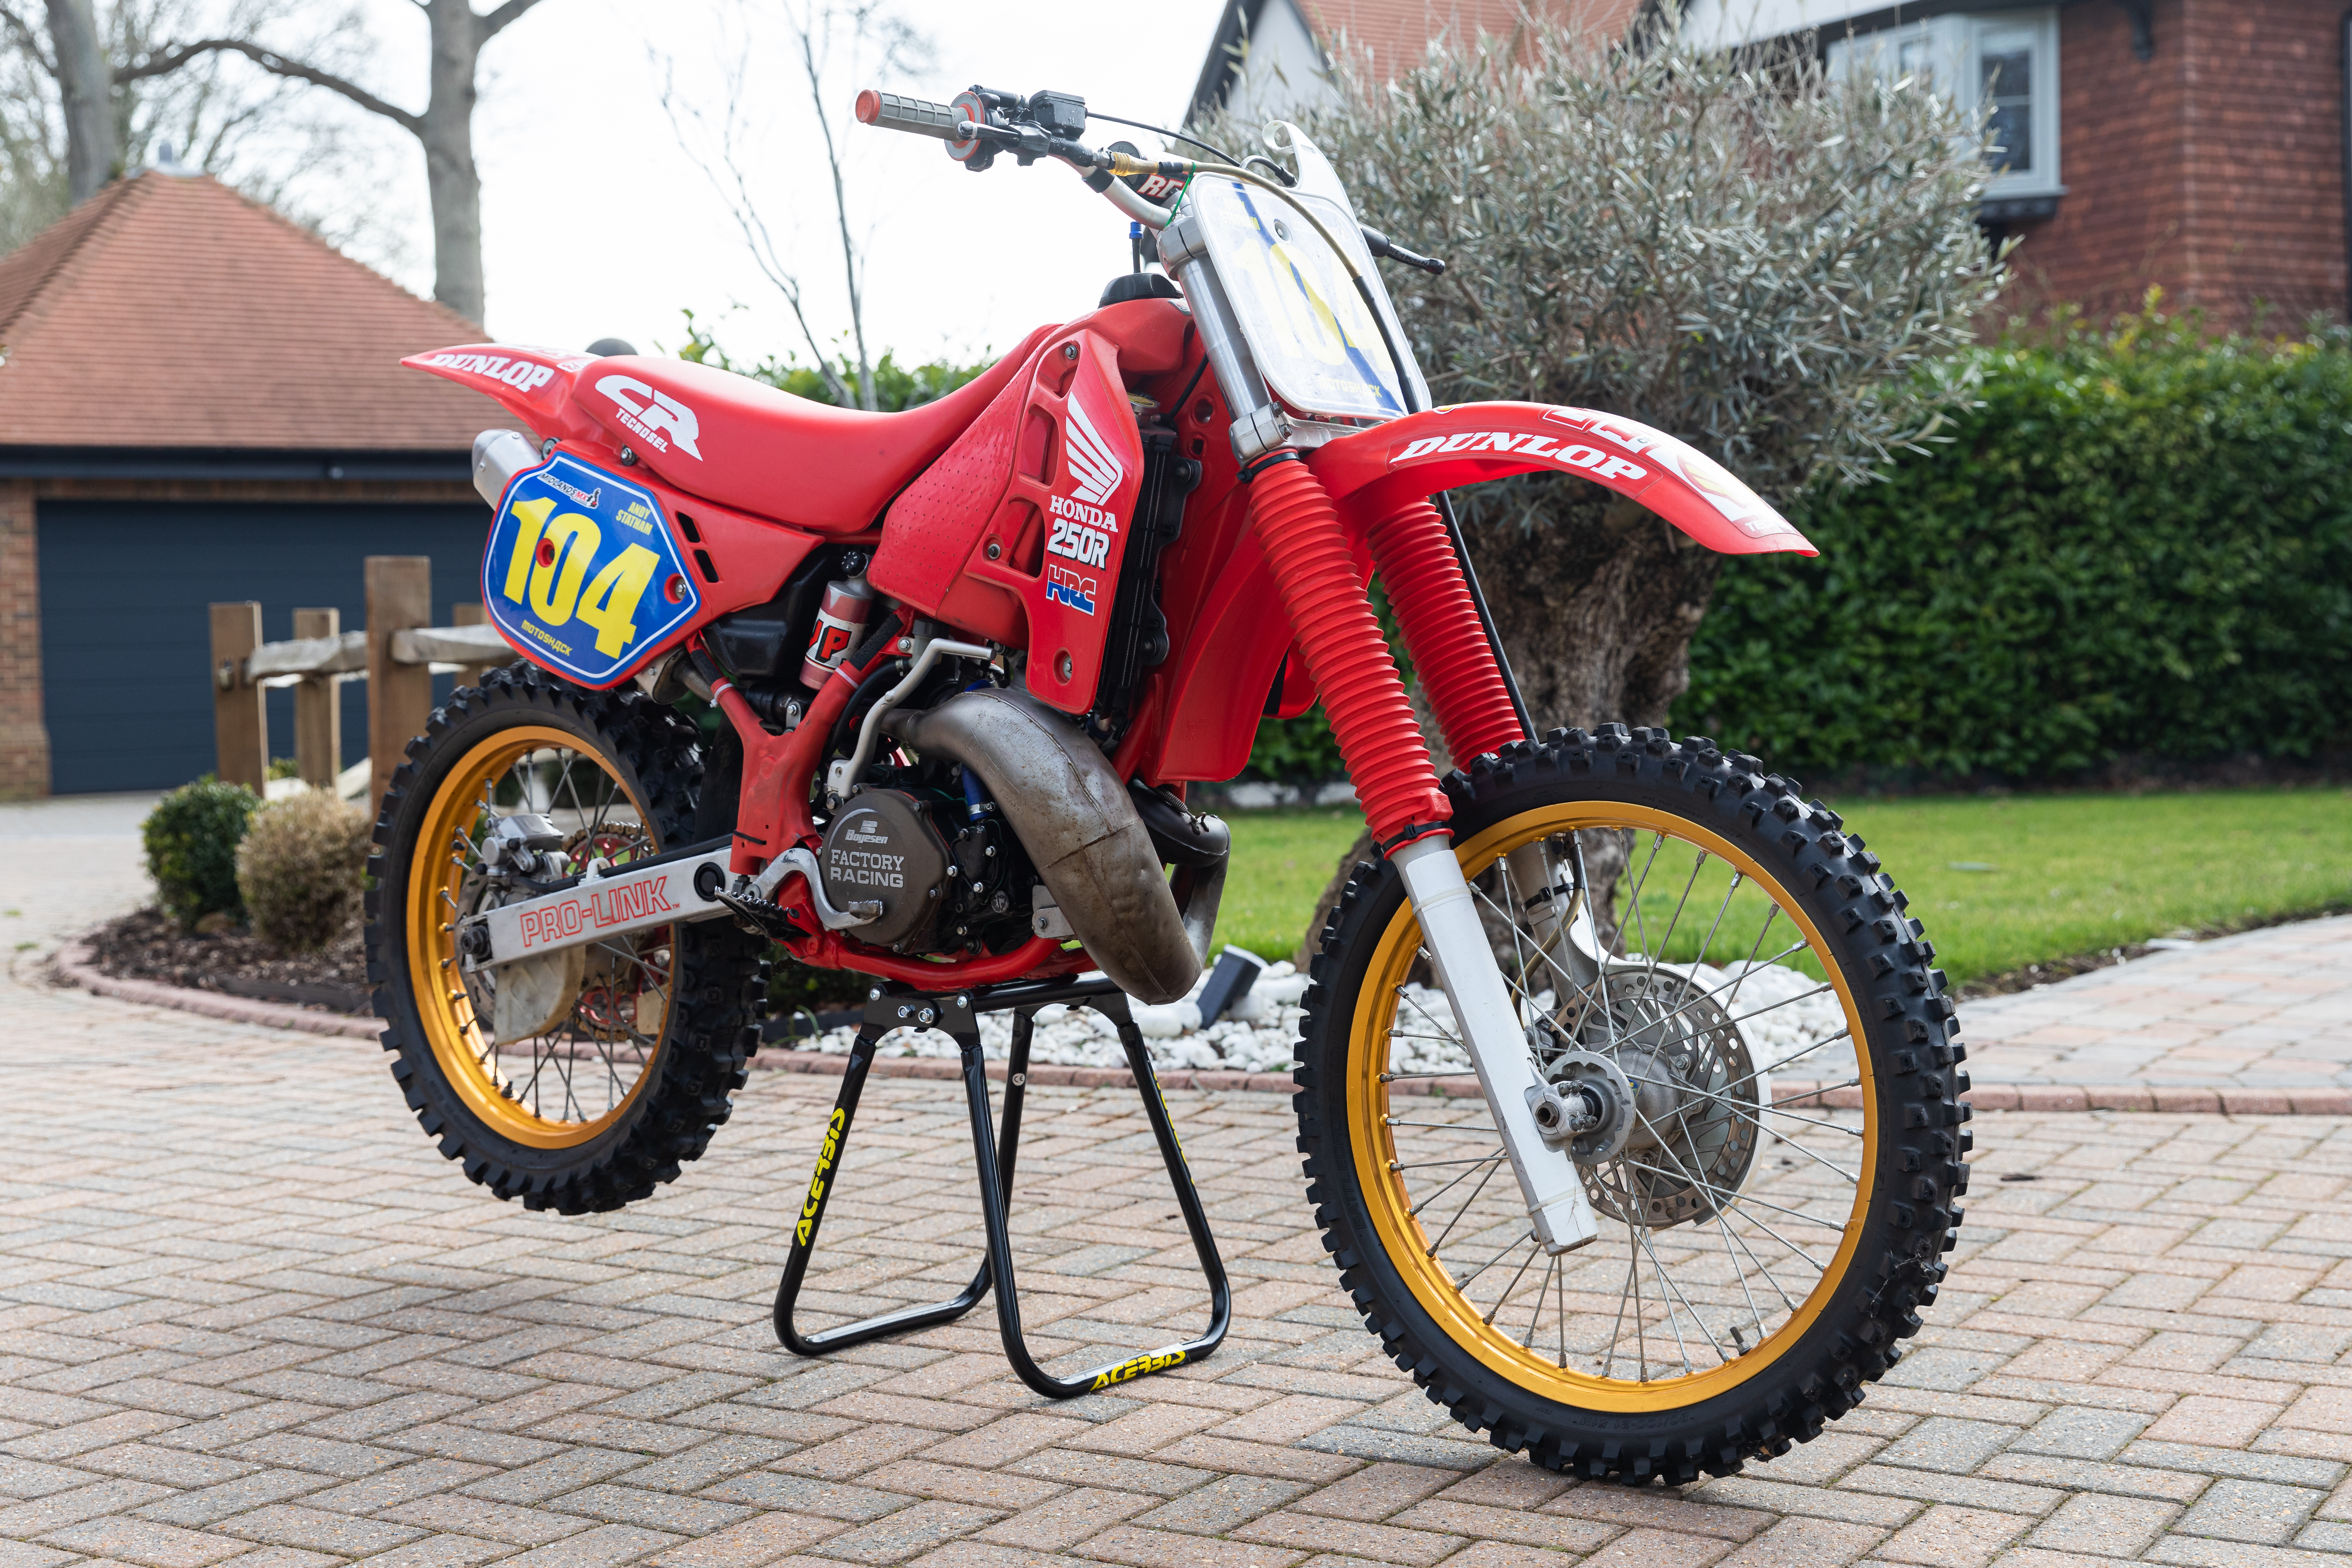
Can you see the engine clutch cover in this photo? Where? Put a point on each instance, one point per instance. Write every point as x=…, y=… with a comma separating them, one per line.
x=881, y=848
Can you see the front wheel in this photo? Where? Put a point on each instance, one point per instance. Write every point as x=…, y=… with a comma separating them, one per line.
x=1675, y=931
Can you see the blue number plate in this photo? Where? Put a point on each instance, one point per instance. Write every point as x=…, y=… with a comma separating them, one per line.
x=583, y=572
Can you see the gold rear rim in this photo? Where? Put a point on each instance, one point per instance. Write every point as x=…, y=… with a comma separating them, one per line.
x=1693, y=1287
x=566, y=1084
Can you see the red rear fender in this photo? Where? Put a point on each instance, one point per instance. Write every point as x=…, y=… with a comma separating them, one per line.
x=1469, y=443
x=535, y=384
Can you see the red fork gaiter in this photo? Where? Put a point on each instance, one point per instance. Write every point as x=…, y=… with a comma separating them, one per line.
x=1344, y=651
x=1451, y=658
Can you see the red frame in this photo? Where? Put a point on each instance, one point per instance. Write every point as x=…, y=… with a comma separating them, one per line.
x=1197, y=714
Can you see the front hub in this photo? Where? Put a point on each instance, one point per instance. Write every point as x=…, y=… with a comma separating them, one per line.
x=1667, y=1093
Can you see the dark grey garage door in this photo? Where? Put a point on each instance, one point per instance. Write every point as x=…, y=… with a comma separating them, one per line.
x=125, y=636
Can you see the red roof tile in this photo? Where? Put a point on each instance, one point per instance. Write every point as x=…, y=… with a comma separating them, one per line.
x=169, y=311
x=1398, y=33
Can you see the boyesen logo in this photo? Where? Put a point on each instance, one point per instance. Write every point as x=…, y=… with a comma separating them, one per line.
x=658, y=414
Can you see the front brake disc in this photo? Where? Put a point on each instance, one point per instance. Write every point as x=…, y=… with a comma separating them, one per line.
x=1691, y=1129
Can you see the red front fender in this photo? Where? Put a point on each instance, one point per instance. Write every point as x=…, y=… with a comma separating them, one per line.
x=1422, y=454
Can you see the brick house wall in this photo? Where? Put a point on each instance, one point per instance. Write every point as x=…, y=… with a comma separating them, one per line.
x=24, y=738
x=2214, y=169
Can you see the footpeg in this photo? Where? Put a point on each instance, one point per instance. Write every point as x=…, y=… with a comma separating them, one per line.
x=757, y=917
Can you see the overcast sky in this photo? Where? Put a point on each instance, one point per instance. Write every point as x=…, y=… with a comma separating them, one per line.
x=596, y=223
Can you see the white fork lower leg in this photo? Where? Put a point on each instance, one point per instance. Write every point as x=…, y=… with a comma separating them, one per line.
x=1466, y=971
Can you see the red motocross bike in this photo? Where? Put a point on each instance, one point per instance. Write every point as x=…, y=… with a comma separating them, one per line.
x=965, y=661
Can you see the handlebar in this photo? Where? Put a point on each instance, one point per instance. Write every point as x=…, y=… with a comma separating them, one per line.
x=981, y=122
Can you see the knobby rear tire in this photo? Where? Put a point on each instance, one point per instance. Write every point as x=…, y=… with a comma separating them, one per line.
x=709, y=1027
x=1908, y=1219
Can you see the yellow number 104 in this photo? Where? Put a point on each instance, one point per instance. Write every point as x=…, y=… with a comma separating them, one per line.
x=553, y=588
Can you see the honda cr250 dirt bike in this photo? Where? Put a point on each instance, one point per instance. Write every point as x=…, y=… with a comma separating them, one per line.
x=966, y=660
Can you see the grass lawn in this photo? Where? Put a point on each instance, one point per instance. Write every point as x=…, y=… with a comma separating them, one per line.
x=2079, y=873
x=2048, y=876
x=1281, y=862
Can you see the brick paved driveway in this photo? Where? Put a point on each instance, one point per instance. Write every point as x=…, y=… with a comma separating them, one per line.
x=247, y=1315
x=2262, y=1010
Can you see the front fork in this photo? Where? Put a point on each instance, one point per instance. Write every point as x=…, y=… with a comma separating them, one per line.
x=1466, y=971
x=1313, y=567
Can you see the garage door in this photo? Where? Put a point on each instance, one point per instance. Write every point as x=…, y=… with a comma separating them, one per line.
x=126, y=636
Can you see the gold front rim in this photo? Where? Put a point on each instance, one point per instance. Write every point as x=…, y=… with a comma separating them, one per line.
x=1701, y=1300
x=564, y=1085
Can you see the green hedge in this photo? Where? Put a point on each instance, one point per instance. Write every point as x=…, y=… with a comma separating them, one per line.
x=2138, y=545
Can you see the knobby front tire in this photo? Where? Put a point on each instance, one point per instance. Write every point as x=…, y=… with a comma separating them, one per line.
x=1757, y=1263
x=596, y=1104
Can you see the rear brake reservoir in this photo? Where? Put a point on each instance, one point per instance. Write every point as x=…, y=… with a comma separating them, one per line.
x=841, y=620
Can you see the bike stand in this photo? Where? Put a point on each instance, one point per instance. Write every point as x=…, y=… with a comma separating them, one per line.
x=957, y=1015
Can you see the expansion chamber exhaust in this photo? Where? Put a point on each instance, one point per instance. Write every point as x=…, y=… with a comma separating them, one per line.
x=1072, y=814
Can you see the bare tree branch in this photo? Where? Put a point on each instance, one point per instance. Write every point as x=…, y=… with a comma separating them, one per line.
x=26, y=38
x=734, y=190
x=172, y=57
x=498, y=21
x=852, y=264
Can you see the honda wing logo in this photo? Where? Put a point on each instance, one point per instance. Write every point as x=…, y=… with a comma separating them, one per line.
x=660, y=418
x=1093, y=464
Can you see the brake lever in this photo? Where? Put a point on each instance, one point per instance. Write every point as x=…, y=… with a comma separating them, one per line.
x=1382, y=245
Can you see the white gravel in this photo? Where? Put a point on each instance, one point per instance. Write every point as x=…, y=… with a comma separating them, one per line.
x=1260, y=1032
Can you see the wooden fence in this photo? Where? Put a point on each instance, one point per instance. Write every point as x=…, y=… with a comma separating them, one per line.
x=396, y=655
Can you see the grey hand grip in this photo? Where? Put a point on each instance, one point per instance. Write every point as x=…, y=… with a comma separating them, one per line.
x=890, y=112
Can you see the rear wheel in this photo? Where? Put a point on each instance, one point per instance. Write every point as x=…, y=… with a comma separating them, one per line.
x=1758, y=1261
x=581, y=1080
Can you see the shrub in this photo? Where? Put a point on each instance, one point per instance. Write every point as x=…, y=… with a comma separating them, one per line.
x=1301, y=751
x=897, y=387
x=300, y=869
x=1734, y=247
x=2139, y=544
x=191, y=838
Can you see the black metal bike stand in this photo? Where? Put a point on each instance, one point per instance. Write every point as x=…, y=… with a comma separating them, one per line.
x=957, y=1015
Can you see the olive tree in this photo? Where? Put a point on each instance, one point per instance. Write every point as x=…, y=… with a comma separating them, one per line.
x=1736, y=248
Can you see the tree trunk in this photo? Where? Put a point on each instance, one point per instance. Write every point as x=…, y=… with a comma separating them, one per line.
x=1596, y=609
x=451, y=180
x=85, y=84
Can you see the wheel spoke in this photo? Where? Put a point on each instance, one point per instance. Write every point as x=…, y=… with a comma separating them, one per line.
x=1533, y=1247
x=1708, y=946
x=1489, y=1161
x=1659, y=951
x=1535, y=1317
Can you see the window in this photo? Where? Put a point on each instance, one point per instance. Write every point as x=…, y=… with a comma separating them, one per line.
x=2004, y=63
